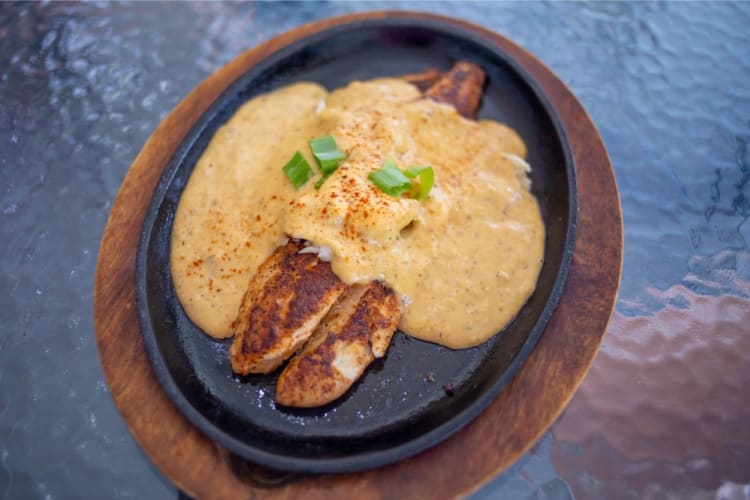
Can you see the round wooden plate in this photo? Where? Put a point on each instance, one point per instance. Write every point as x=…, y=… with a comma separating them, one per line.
x=507, y=428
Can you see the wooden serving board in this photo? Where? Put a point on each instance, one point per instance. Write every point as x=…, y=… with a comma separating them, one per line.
x=461, y=464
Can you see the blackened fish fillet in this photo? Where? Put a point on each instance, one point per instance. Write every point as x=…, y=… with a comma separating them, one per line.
x=461, y=87
x=356, y=331
x=285, y=300
x=425, y=79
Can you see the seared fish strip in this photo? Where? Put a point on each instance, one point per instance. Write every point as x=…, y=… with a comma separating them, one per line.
x=461, y=87
x=285, y=300
x=425, y=79
x=357, y=330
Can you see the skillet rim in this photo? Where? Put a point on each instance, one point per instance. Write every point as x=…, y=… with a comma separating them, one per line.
x=368, y=459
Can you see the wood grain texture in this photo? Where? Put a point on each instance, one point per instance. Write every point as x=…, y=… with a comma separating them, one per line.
x=461, y=464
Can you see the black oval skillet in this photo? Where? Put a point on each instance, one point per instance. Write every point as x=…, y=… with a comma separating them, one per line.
x=420, y=393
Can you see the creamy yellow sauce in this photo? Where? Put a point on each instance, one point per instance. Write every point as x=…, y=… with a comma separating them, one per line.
x=463, y=261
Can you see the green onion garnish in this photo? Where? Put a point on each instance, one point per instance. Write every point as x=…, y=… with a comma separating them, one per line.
x=326, y=153
x=322, y=180
x=390, y=179
x=426, y=179
x=297, y=170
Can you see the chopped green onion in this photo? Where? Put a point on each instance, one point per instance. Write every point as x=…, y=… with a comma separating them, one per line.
x=326, y=153
x=390, y=179
x=297, y=170
x=322, y=180
x=426, y=179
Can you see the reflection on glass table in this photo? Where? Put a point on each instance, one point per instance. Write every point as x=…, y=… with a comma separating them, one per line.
x=663, y=412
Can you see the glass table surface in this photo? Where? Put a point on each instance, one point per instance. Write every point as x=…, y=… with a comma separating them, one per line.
x=664, y=411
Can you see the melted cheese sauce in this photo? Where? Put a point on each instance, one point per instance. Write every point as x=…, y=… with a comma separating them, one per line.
x=463, y=261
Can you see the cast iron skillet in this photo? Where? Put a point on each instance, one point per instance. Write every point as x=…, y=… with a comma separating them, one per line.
x=420, y=393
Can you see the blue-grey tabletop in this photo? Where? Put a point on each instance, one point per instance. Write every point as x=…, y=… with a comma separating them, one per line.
x=664, y=411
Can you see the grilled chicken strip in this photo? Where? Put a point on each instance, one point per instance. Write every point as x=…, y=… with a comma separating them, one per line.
x=357, y=330
x=285, y=300
x=461, y=87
